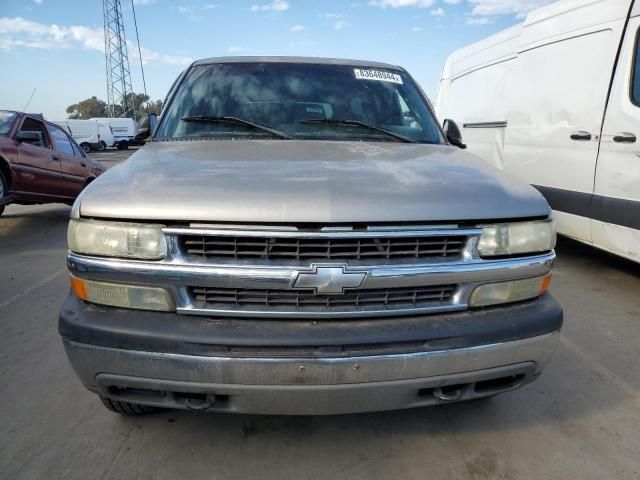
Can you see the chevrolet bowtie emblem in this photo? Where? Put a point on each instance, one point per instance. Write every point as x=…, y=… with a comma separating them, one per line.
x=329, y=279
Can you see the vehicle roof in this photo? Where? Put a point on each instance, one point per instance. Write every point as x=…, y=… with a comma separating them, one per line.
x=299, y=60
x=538, y=27
x=111, y=119
x=38, y=116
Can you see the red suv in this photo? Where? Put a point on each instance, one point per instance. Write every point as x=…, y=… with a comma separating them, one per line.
x=39, y=162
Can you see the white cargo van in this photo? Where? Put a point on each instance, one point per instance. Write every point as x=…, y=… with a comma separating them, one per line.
x=124, y=130
x=556, y=101
x=89, y=134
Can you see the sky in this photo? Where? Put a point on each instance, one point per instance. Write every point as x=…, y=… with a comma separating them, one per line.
x=57, y=46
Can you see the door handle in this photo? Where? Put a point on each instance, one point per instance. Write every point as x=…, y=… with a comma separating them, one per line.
x=55, y=157
x=624, y=137
x=581, y=135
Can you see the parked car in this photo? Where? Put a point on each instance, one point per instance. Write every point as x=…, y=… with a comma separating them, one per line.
x=124, y=130
x=555, y=100
x=301, y=238
x=89, y=134
x=40, y=162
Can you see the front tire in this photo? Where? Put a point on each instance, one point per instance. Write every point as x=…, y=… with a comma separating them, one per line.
x=86, y=148
x=126, y=408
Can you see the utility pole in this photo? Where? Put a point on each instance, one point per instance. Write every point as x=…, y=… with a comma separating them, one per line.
x=119, y=90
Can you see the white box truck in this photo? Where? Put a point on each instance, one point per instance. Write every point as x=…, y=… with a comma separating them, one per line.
x=124, y=130
x=555, y=100
x=89, y=134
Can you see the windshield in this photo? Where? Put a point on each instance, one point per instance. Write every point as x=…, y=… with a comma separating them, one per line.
x=6, y=122
x=299, y=101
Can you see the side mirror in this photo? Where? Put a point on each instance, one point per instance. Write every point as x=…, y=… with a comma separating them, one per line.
x=29, y=137
x=452, y=132
x=153, y=121
x=148, y=124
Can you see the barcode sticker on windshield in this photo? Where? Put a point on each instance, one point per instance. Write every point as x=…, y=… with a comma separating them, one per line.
x=363, y=74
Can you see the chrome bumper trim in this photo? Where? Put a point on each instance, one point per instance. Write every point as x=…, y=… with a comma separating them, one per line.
x=371, y=232
x=177, y=276
x=316, y=400
x=90, y=361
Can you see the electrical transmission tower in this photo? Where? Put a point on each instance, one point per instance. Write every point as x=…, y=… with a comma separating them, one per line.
x=119, y=90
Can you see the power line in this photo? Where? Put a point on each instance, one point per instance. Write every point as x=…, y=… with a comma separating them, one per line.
x=144, y=83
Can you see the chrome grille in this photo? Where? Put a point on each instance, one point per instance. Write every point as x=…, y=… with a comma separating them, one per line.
x=306, y=300
x=343, y=249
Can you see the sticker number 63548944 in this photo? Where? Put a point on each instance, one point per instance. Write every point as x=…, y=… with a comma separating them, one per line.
x=381, y=75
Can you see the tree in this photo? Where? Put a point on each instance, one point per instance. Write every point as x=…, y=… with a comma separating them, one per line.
x=89, y=108
x=155, y=107
x=140, y=101
x=94, y=107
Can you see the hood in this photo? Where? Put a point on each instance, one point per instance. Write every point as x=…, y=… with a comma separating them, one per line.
x=304, y=181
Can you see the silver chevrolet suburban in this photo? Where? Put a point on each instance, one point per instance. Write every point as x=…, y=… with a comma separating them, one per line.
x=301, y=237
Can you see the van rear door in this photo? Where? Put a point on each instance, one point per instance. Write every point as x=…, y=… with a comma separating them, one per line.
x=616, y=200
x=84, y=132
x=557, y=100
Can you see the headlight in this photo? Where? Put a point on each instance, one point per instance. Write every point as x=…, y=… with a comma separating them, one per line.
x=125, y=296
x=517, y=238
x=115, y=239
x=507, y=292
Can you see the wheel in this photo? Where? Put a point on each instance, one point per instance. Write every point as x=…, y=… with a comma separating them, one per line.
x=102, y=146
x=4, y=190
x=123, y=145
x=85, y=147
x=126, y=408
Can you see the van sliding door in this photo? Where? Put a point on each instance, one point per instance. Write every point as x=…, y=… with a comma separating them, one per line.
x=616, y=200
x=556, y=104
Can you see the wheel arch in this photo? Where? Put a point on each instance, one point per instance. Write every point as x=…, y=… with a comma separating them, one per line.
x=6, y=170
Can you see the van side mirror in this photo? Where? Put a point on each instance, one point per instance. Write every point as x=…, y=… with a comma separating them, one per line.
x=29, y=136
x=452, y=132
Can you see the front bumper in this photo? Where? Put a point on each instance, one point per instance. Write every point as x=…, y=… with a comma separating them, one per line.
x=304, y=367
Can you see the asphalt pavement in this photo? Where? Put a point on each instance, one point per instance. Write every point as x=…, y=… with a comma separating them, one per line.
x=580, y=420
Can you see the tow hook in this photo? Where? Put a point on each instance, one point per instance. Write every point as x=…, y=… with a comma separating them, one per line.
x=200, y=403
x=448, y=394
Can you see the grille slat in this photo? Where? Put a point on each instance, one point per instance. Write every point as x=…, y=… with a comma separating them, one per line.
x=299, y=299
x=275, y=248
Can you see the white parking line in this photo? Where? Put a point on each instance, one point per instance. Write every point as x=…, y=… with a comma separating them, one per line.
x=33, y=287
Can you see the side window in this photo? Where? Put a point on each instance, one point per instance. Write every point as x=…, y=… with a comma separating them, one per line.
x=35, y=126
x=635, y=81
x=77, y=151
x=60, y=140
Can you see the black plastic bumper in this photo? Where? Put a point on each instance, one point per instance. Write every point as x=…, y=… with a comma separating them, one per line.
x=214, y=336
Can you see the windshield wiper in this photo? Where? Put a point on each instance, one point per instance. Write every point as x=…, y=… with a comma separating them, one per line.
x=332, y=121
x=235, y=121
